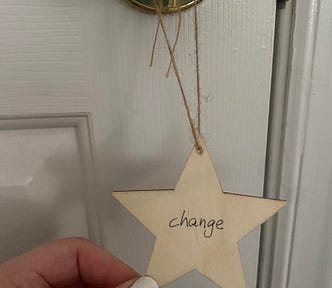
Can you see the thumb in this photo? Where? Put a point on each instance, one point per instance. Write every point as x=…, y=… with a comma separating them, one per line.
x=143, y=282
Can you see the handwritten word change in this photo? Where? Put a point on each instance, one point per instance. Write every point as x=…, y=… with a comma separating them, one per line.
x=208, y=225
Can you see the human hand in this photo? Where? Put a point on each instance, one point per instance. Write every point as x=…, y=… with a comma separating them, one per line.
x=72, y=263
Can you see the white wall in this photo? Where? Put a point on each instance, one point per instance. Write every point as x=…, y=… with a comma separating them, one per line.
x=303, y=255
x=311, y=264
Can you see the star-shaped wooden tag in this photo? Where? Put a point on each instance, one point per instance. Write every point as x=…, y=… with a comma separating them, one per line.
x=198, y=226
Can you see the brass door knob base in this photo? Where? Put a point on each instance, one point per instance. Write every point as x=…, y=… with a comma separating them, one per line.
x=169, y=6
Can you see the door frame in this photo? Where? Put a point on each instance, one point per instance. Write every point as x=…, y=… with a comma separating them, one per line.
x=296, y=31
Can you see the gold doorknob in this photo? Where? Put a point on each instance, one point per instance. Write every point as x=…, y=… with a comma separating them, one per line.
x=168, y=6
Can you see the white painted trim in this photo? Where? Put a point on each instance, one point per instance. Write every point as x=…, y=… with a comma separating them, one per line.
x=282, y=51
x=82, y=125
x=295, y=128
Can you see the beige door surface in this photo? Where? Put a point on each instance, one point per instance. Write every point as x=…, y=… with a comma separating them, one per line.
x=82, y=114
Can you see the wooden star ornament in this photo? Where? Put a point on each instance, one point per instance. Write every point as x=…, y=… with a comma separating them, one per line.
x=197, y=225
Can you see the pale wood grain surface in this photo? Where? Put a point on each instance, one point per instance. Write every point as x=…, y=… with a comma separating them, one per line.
x=198, y=226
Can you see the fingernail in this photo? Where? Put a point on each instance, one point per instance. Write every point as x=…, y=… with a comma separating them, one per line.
x=145, y=282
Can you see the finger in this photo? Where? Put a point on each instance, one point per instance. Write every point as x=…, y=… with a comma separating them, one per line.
x=71, y=261
x=143, y=282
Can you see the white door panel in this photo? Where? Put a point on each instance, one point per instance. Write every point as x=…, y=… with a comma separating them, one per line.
x=68, y=57
x=41, y=188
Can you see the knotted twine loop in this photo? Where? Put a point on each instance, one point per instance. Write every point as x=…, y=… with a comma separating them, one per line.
x=195, y=132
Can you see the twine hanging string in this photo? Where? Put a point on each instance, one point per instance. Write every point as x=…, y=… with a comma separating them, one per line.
x=175, y=43
x=154, y=43
x=195, y=132
x=174, y=46
x=198, y=78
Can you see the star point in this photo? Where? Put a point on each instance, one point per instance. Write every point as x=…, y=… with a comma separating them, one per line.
x=198, y=226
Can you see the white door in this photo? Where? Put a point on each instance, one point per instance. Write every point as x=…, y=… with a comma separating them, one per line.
x=82, y=114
